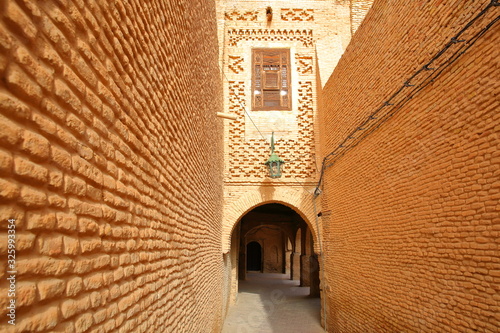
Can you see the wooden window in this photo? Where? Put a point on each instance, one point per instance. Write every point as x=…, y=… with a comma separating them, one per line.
x=271, y=79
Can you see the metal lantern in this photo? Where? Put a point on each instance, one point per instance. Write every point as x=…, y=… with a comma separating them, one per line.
x=274, y=162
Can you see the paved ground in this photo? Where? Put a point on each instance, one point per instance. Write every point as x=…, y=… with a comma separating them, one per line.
x=271, y=303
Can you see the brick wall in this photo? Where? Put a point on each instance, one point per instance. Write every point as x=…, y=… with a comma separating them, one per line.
x=111, y=164
x=359, y=9
x=410, y=215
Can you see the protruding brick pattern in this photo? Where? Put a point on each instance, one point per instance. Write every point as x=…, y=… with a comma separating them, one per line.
x=238, y=35
x=111, y=163
x=248, y=156
x=411, y=214
x=236, y=15
x=297, y=14
x=304, y=64
x=236, y=64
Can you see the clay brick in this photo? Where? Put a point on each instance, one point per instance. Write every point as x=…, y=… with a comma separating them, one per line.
x=100, y=316
x=25, y=293
x=30, y=171
x=65, y=327
x=43, y=220
x=14, y=107
x=61, y=157
x=35, y=145
x=22, y=23
x=96, y=299
x=3, y=62
x=10, y=211
x=89, y=244
x=54, y=110
x=25, y=241
x=76, y=186
x=45, y=318
x=55, y=180
x=43, y=266
x=83, y=322
x=81, y=66
x=74, y=286
x=50, y=245
x=71, y=307
x=87, y=226
x=42, y=75
x=94, y=193
x=71, y=245
x=45, y=125
x=32, y=197
x=66, y=96
x=75, y=82
x=84, y=208
x=93, y=281
x=22, y=85
x=62, y=46
x=51, y=288
x=56, y=201
x=9, y=190
x=86, y=169
x=5, y=39
x=66, y=221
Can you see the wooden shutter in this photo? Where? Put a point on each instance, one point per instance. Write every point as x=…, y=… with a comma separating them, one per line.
x=271, y=79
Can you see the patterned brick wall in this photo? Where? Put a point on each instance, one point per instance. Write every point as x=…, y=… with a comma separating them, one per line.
x=411, y=214
x=111, y=164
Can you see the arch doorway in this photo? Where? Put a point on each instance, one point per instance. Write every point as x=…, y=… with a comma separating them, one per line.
x=254, y=257
x=272, y=253
x=274, y=239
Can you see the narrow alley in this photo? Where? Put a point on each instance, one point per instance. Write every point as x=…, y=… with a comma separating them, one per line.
x=249, y=166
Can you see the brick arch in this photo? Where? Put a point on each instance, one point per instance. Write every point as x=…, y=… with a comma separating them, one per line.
x=300, y=200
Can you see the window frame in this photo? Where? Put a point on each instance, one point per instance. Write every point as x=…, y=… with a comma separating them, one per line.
x=270, y=81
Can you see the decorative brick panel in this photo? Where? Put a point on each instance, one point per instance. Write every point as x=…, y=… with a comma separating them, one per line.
x=248, y=155
x=235, y=64
x=304, y=64
x=238, y=35
x=236, y=15
x=297, y=14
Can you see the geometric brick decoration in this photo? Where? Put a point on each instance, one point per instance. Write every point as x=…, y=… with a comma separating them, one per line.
x=235, y=15
x=235, y=64
x=248, y=156
x=304, y=64
x=236, y=35
x=297, y=14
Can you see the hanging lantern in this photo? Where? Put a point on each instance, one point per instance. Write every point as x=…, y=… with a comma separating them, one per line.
x=274, y=162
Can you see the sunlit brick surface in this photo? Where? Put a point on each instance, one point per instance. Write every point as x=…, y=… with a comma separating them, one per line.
x=411, y=215
x=111, y=162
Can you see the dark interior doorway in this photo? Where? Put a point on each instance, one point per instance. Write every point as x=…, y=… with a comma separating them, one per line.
x=254, y=257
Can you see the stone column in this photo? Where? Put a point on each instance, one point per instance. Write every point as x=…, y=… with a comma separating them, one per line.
x=295, y=259
x=288, y=262
x=305, y=270
x=314, y=276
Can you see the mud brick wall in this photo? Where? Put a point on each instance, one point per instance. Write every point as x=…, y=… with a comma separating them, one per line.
x=111, y=164
x=411, y=214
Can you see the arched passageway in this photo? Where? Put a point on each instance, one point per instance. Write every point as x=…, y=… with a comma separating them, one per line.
x=275, y=248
